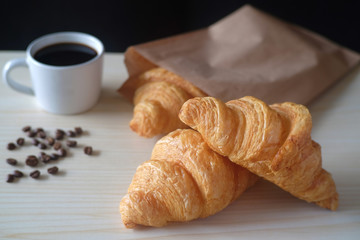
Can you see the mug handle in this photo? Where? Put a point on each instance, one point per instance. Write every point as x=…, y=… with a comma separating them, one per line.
x=18, y=62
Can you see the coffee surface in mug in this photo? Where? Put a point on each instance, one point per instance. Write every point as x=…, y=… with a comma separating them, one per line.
x=65, y=54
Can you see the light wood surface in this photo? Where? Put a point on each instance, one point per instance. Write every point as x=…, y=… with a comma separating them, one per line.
x=81, y=202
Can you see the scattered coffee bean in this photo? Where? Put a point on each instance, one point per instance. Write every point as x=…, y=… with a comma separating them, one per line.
x=50, y=141
x=60, y=131
x=26, y=128
x=11, y=161
x=31, y=133
x=42, y=146
x=18, y=174
x=39, y=129
x=54, y=156
x=35, y=174
x=46, y=159
x=78, y=130
x=88, y=150
x=35, y=142
x=59, y=136
x=57, y=145
x=71, y=133
x=20, y=141
x=32, y=161
x=11, y=146
x=53, y=170
x=41, y=135
x=62, y=152
x=10, y=178
x=70, y=143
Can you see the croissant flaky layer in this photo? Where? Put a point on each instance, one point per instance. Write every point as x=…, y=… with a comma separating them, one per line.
x=273, y=142
x=158, y=98
x=184, y=180
x=162, y=75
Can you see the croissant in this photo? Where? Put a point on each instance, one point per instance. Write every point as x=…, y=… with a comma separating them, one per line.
x=184, y=180
x=274, y=142
x=158, y=98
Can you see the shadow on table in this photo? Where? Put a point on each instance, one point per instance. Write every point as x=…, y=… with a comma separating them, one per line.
x=261, y=206
x=112, y=102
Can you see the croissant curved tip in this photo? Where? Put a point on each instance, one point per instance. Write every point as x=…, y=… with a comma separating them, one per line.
x=130, y=225
x=187, y=113
x=330, y=203
x=135, y=125
x=123, y=209
x=146, y=117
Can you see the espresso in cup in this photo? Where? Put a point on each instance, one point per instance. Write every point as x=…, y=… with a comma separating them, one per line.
x=65, y=54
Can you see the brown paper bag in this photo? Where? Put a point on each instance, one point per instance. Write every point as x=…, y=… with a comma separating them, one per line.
x=246, y=53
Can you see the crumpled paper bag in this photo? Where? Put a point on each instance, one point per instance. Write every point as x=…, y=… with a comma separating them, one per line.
x=247, y=53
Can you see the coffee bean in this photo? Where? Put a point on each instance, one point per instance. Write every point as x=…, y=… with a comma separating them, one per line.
x=50, y=141
x=54, y=156
x=11, y=161
x=26, y=128
x=46, y=159
x=41, y=135
x=35, y=174
x=70, y=143
x=31, y=133
x=39, y=130
x=59, y=136
x=11, y=146
x=57, y=145
x=42, y=146
x=62, y=152
x=53, y=170
x=18, y=174
x=32, y=161
x=35, y=142
x=71, y=133
x=78, y=130
x=60, y=131
x=88, y=150
x=20, y=141
x=10, y=178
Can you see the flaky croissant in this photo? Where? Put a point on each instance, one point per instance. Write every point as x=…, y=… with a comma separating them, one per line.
x=184, y=180
x=158, y=98
x=273, y=142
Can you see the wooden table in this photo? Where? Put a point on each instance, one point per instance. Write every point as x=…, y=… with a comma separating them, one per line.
x=81, y=202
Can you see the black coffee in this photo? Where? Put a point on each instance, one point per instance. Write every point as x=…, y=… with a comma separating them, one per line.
x=65, y=54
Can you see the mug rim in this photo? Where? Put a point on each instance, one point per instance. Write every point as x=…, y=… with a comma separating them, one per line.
x=52, y=38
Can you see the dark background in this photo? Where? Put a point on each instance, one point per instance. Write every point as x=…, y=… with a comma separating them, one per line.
x=120, y=24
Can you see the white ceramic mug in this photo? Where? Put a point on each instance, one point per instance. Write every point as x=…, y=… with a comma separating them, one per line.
x=61, y=89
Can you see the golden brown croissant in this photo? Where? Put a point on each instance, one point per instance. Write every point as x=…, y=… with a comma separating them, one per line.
x=158, y=98
x=273, y=142
x=184, y=180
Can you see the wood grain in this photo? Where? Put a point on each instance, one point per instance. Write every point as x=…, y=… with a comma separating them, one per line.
x=81, y=202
